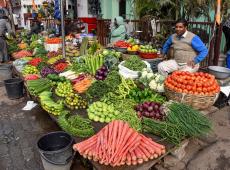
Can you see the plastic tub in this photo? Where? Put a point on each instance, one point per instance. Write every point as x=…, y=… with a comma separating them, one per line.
x=14, y=88
x=56, y=150
x=148, y=55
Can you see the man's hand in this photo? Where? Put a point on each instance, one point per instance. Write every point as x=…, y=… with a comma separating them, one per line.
x=191, y=63
x=163, y=56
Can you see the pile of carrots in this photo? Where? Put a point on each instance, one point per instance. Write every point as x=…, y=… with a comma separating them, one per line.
x=21, y=54
x=117, y=144
x=83, y=85
x=53, y=40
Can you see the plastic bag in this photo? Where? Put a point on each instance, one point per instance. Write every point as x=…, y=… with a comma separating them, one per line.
x=127, y=73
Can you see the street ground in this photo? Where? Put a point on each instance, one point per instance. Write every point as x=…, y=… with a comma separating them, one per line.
x=20, y=130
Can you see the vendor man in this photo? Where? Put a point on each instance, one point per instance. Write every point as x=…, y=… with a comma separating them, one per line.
x=188, y=50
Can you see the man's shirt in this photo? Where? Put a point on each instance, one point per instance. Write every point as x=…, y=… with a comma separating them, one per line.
x=196, y=44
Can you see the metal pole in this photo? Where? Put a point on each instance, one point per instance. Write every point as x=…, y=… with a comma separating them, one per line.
x=62, y=28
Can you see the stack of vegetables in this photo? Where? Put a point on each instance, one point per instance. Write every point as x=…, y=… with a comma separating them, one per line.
x=122, y=44
x=98, y=83
x=192, y=83
x=154, y=81
x=52, y=54
x=134, y=63
x=29, y=69
x=99, y=111
x=74, y=101
x=117, y=144
x=72, y=51
x=181, y=121
x=82, y=83
x=35, y=61
x=47, y=70
x=151, y=109
x=53, y=40
x=64, y=89
x=76, y=125
x=60, y=66
x=37, y=86
x=31, y=77
x=49, y=105
x=21, y=54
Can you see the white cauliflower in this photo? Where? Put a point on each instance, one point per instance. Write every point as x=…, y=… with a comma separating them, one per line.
x=153, y=85
x=160, y=87
x=144, y=74
x=149, y=75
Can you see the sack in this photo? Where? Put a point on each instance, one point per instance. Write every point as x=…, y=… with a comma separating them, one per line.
x=127, y=73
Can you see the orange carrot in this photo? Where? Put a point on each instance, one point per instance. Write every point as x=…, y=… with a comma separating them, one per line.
x=120, y=129
x=129, y=134
x=86, y=146
x=133, y=143
x=150, y=149
x=114, y=136
x=149, y=144
x=126, y=133
x=128, y=162
x=110, y=136
x=152, y=157
x=152, y=142
x=138, y=154
x=134, y=162
x=145, y=151
x=128, y=157
x=133, y=156
x=140, y=161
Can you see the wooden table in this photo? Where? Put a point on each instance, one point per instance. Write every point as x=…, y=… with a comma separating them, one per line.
x=97, y=127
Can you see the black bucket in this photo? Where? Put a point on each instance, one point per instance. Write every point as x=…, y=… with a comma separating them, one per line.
x=14, y=88
x=5, y=72
x=56, y=150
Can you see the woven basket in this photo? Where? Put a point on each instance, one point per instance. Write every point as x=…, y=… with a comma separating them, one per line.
x=199, y=102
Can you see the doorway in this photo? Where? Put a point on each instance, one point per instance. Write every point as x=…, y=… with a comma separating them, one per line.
x=122, y=8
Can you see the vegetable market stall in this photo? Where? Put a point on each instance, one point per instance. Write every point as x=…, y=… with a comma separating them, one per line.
x=97, y=95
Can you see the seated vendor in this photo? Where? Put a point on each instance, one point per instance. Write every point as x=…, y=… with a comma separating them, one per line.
x=36, y=27
x=118, y=31
x=188, y=50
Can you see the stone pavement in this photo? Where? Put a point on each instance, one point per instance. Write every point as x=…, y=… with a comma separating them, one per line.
x=19, y=132
x=207, y=153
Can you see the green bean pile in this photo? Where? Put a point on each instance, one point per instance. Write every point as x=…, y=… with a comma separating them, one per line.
x=131, y=118
x=191, y=121
x=76, y=125
x=168, y=131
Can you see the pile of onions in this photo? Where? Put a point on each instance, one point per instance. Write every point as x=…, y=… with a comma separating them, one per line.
x=101, y=73
x=151, y=110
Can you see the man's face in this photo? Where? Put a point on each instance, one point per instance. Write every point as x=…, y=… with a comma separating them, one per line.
x=180, y=29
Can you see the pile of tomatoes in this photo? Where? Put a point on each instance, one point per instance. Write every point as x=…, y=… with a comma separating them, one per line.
x=198, y=83
x=122, y=44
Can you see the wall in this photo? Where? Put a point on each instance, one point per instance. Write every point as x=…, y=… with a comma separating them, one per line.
x=82, y=8
x=110, y=9
x=130, y=9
